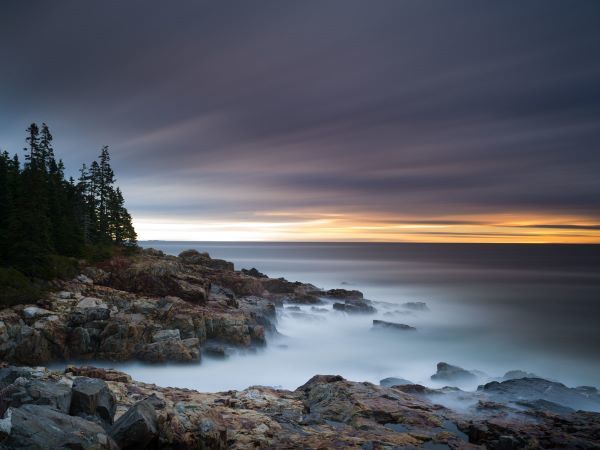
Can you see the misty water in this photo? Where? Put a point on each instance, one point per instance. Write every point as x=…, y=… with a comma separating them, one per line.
x=492, y=308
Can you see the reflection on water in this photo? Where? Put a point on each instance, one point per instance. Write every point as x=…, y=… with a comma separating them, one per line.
x=492, y=308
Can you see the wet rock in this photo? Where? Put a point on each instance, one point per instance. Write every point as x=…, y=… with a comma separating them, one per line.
x=355, y=307
x=449, y=373
x=137, y=428
x=91, y=397
x=394, y=381
x=383, y=325
x=41, y=427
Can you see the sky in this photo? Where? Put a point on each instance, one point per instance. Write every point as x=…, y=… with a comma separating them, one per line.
x=424, y=121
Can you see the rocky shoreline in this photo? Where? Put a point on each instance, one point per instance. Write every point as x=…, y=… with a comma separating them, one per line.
x=158, y=308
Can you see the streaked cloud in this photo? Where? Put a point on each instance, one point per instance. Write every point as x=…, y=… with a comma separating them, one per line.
x=322, y=121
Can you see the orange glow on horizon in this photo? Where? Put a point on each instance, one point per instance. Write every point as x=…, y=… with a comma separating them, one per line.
x=301, y=226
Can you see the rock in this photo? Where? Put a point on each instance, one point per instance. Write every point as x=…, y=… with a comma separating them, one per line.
x=32, y=312
x=415, y=306
x=215, y=350
x=204, y=259
x=533, y=389
x=394, y=381
x=254, y=273
x=37, y=392
x=447, y=372
x=92, y=397
x=101, y=374
x=185, y=350
x=159, y=277
x=84, y=279
x=279, y=285
x=137, y=428
x=40, y=427
x=343, y=294
x=516, y=374
x=302, y=299
x=164, y=335
x=383, y=325
x=153, y=252
x=65, y=295
x=355, y=307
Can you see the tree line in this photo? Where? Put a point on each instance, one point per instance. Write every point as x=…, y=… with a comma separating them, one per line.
x=46, y=218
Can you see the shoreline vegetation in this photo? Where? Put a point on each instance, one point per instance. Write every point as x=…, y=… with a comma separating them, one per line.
x=48, y=221
x=75, y=286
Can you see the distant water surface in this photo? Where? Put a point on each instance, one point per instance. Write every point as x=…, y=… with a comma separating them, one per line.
x=492, y=307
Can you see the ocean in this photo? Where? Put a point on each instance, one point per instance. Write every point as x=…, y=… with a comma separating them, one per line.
x=492, y=308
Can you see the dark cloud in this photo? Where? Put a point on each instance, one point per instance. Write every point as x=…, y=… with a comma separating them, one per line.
x=389, y=108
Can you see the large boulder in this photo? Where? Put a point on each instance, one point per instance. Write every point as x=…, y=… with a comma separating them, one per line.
x=93, y=398
x=137, y=428
x=41, y=427
x=37, y=392
x=449, y=373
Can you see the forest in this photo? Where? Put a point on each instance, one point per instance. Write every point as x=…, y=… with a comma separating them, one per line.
x=48, y=222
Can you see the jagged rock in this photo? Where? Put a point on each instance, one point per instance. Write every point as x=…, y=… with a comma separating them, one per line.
x=415, y=306
x=137, y=428
x=355, y=307
x=394, y=381
x=447, y=372
x=41, y=427
x=92, y=398
x=383, y=325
